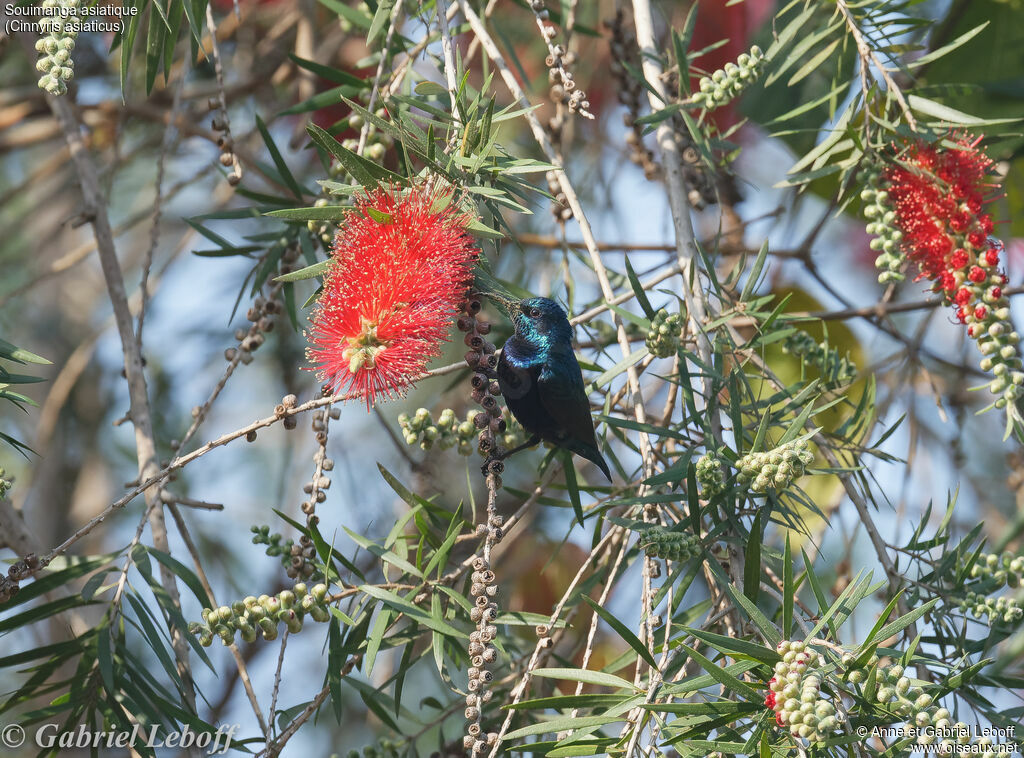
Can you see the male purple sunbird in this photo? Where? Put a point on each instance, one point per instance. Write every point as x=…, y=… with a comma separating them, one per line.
x=541, y=380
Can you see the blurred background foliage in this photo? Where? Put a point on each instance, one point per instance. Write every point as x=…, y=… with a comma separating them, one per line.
x=290, y=62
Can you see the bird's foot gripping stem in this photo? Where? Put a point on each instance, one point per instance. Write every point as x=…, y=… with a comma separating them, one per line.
x=494, y=462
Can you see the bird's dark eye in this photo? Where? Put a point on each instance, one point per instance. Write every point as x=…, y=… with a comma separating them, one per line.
x=535, y=312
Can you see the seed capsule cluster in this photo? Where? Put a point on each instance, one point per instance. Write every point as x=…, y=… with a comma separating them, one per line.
x=559, y=203
x=794, y=693
x=728, y=83
x=563, y=87
x=260, y=616
x=482, y=653
x=18, y=572
x=881, y=215
x=709, y=475
x=774, y=469
x=263, y=312
x=448, y=432
x=631, y=93
x=672, y=545
x=298, y=559
x=663, y=336
x=61, y=31
x=835, y=370
x=222, y=125
x=483, y=360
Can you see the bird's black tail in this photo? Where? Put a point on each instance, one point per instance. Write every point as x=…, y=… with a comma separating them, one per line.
x=595, y=457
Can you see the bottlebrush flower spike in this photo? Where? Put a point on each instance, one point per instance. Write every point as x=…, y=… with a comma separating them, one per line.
x=402, y=262
x=927, y=206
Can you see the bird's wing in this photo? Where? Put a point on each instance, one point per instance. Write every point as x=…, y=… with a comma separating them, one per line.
x=560, y=386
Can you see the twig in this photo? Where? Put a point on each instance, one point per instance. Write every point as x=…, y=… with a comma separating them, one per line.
x=95, y=209
x=866, y=54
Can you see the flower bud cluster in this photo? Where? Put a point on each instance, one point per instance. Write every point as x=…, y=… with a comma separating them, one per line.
x=710, y=476
x=5, y=484
x=728, y=83
x=376, y=145
x=260, y=616
x=1001, y=609
x=992, y=568
x=448, y=431
x=383, y=748
x=663, y=336
x=881, y=215
x=854, y=673
x=297, y=558
x=986, y=312
x=482, y=654
x=361, y=8
x=835, y=370
x=55, y=46
x=670, y=544
x=776, y=468
x=926, y=721
x=794, y=694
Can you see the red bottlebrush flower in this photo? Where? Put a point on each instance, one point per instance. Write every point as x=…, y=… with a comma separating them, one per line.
x=937, y=194
x=401, y=265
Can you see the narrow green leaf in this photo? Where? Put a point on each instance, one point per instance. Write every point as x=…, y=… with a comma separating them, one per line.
x=279, y=161
x=308, y=272
x=721, y=675
x=586, y=676
x=623, y=631
x=385, y=555
x=414, y=612
x=381, y=20
x=571, y=485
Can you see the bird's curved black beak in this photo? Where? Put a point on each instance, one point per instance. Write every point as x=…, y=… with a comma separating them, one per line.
x=510, y=305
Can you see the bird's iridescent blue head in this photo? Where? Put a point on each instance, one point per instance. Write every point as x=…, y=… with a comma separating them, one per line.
x=538, y=319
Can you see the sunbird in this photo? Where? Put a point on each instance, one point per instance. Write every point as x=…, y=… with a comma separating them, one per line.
x=541, y=380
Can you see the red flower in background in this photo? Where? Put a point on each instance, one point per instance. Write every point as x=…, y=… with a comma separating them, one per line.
x=938, y=194
x=401, y=265
x=930, y=205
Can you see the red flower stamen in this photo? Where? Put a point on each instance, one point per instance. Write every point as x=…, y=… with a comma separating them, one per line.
x=400, y=270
